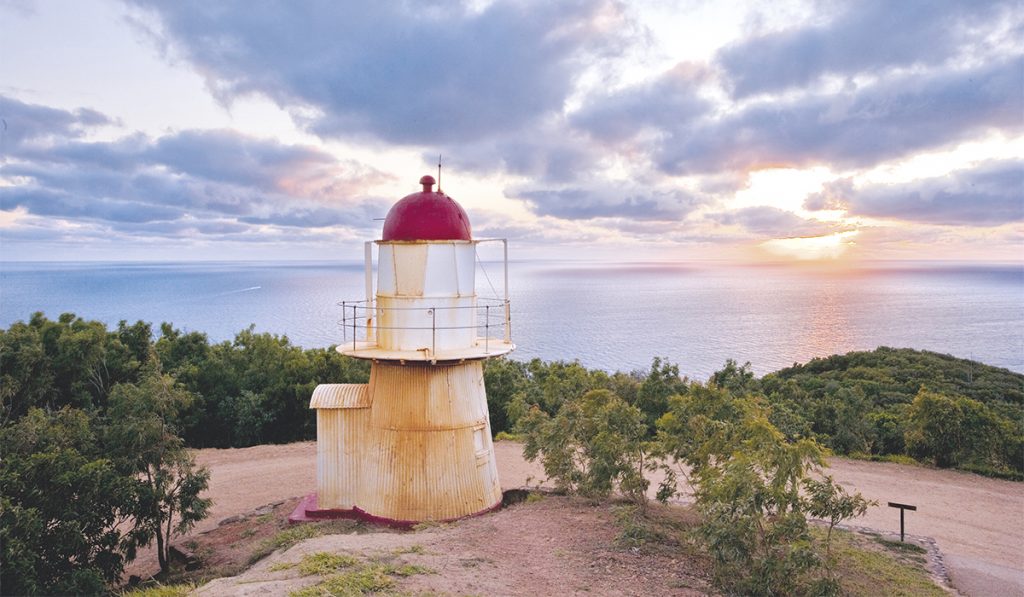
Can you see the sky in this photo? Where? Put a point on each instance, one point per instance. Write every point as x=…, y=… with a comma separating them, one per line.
x=795, y=131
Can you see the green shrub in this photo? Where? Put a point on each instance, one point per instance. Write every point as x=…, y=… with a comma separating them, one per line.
x=593, y=445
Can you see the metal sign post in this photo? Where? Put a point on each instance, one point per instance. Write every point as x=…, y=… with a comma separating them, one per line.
x=903, y=508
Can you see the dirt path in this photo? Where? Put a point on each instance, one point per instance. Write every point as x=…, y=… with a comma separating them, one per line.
x=977, y=522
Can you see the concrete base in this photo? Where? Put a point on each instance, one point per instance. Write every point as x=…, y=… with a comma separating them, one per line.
x=307, y=511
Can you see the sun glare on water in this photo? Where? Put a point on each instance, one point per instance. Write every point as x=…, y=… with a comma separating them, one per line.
x=812, y=248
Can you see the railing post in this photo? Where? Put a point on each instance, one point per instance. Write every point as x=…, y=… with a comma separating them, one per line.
x=353, y=327
x=487, y=329
x=433, y=332
x=508, y=322
x=344, y=323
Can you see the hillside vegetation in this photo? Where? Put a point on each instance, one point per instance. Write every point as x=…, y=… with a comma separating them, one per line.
x=255, y=389
x=886, y=403
x=106, y=414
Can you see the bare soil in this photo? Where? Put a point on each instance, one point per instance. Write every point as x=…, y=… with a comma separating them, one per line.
x=977, y=523
x=554, y=546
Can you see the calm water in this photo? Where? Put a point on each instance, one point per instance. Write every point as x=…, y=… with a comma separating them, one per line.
x=609, y=316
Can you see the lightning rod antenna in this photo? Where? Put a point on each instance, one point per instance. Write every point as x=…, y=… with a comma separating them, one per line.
x=438, y=173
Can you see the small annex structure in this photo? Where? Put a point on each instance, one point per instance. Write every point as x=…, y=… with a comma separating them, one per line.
x=414, y=444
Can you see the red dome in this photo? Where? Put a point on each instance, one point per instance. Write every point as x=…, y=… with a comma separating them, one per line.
x=427, y=216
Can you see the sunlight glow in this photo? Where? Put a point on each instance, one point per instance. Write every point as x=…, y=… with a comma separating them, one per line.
x=783, y=188
x=831, y=246
x=940, y=163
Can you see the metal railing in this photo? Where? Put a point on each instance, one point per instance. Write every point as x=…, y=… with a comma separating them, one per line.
x=359, y=319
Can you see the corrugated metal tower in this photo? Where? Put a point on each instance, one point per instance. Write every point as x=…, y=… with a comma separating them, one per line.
x=414, y=444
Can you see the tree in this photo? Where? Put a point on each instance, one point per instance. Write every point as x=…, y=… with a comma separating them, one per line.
x=141, y=430
x=593, y=445
x=833, y=504
x=747, y=480
x=738, y=379
x=503, y=378
x=752, y=514
x=63, y=509
x=661, y=382
x=935, y=428
x=26, y=378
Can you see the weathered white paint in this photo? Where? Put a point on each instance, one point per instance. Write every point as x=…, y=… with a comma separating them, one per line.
x=426, y=296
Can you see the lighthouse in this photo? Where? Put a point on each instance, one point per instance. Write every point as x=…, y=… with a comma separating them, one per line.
x=414, y=444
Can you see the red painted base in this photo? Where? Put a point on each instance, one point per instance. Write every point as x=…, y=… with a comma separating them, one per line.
x=307, y=511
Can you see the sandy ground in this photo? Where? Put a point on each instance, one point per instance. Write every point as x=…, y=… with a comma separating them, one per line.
x=977, y=522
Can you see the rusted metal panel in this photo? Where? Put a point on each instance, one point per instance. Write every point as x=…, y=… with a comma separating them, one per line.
x=342, y=436
x=423, y=450
x=340, y=395
x=424, y=397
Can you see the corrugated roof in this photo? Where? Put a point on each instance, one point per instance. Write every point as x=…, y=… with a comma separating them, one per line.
x=341, y=395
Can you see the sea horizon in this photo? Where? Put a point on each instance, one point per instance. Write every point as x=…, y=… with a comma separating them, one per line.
x=695, y=313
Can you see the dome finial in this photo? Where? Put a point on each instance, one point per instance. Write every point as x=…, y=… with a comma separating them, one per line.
x=427, y=182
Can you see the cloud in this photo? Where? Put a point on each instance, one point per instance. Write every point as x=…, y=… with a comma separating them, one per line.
x=25, y=123
x=887, y=120
x=230, y=157
x=207, y=182
x=990, y=194
x=547, y=154
x=56, y=203
x=610, y=200
x=832, y=196
x=867, y=36
x=772, y=222
x=397, y=71
x=668, y=102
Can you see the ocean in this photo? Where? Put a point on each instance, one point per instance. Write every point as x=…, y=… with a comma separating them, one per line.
x=612, y=316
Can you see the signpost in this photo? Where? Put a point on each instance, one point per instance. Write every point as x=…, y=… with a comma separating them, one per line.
x=903, y=508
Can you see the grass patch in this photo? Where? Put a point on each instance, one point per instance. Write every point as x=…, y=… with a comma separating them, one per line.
x=411, y=570
x=900, y=545
x=284, y=540
x=158, y=590
x=426, y=525
x=895, y=458
x=534, y=496
x=363, y=581
x=323, y=563
x=416, y=549
x=995, y=473
x=281, y=566
x=864, y=569
x=504, y=436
